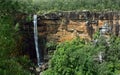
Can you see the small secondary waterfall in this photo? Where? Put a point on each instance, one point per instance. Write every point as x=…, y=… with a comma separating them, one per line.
x=36, y=40
x=100, y=57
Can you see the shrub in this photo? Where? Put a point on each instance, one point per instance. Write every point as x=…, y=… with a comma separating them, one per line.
x=12, y=67
x=78, y=58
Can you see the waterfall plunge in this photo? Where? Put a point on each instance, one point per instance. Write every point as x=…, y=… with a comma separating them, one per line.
x=36, y=40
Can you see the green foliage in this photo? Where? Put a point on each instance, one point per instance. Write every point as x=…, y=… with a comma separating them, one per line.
x=68, y=5
x=10, y=39
x=78, y=58
x=12, y=67
x=43, y=6
x=51, y=45
x=15, y=6
x=10, y=64
x=7, y=41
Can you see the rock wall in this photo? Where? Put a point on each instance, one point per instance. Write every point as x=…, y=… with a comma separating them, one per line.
x=63, y=26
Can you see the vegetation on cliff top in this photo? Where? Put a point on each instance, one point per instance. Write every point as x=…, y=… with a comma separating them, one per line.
x=68, y=5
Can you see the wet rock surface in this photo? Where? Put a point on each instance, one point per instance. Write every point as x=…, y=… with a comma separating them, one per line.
x=38, y=70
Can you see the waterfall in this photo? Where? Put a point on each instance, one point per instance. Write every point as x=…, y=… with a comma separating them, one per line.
x=36, y=40
x=100, y=57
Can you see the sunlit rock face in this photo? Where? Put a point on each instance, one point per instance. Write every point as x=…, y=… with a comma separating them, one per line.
x=63, y=26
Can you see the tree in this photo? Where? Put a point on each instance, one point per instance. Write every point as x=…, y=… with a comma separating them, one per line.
x=10, y=62
x=78, y=58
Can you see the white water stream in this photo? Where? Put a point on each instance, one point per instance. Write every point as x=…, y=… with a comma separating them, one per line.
x=36, y=40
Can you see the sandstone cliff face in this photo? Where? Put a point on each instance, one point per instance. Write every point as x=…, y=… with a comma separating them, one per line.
x=63, y=26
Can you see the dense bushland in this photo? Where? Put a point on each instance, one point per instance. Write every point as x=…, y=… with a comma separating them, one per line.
x=11, y=62
x=68, y=5
x=80, y=58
